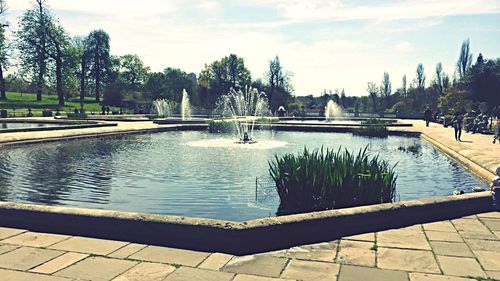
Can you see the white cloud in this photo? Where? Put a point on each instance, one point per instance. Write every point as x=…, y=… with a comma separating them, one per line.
x=404, y=47
x=301, y=11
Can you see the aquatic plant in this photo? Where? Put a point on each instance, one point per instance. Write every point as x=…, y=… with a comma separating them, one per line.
x=327, y=179
x=372, y=128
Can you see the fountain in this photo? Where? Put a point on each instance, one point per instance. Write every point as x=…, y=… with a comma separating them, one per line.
x=244, y=107
x=333, y=110
x=185, y=106
x=162, y=107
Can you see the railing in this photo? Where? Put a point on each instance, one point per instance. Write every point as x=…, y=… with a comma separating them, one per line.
x=265, y=188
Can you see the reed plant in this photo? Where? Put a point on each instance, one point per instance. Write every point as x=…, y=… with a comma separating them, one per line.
x=372, y=128
x=327, y=179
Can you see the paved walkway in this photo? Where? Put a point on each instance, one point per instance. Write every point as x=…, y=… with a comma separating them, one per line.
x=478, y=148
x=462, y=249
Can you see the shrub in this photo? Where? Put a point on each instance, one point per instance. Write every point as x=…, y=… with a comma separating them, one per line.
x=322, y=180
x=372, y=128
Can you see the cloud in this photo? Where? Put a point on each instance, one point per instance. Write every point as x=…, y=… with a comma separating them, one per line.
x=404, y=47
x=314, y=10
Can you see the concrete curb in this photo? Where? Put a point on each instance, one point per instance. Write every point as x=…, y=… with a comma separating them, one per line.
x=238, y=238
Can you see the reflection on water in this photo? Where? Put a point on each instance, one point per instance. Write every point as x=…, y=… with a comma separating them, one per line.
x=163, y=173
x=13, y=125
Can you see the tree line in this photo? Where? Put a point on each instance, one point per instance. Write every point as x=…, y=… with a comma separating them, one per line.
x=50, y=60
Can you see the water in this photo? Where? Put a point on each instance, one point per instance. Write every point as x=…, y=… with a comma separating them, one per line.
x=8, y=125
x=180, y=173
x=185, y=106
x=331, y=121
x=333, y=110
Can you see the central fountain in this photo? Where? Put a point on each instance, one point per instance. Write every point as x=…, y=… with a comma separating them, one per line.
x=244, y=107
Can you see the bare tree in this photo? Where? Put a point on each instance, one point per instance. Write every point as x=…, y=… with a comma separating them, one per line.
x=464, y=59
x=404, y=86
x=372, y=90
x=438, y=80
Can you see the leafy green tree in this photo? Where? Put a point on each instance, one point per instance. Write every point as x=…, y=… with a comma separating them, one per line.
x=32, y=44
x=81, y=51
x=133, y=71
x=99, y=59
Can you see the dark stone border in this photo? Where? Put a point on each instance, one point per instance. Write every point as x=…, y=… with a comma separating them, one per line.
x=239, y=238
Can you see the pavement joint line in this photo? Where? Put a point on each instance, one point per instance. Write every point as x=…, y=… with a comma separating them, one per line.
x=285, y=266
x=128, y=243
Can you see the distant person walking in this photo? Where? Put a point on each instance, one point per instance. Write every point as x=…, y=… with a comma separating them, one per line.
x=457, y=124
x=427, y=116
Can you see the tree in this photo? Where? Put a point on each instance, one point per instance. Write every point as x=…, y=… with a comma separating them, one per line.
x=385, y=91
x=438, y=79
x=99, y=59
x=32, y=44
x=404, y=87
x=279, y=82
x=81, y=50
x=58, y=44
x=420, y=78
x=372, y=90
x=133, y=71
x=220, y=76
x=464, y=59
x=4, y=48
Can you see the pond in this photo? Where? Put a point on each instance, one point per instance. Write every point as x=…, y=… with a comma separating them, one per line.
x=199, y=174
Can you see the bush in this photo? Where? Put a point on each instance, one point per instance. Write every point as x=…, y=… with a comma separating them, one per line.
x=372, y=128
x=323, y=180
x=221, y=126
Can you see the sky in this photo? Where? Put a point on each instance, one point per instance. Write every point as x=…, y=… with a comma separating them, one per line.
x=336, y=44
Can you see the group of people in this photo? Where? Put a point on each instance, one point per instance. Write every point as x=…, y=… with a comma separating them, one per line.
x=471, y=121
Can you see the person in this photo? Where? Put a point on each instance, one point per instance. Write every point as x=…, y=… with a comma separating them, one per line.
x=495, y=189
x=457, y=124
x=107, y=109
x=427, y=116
x=103, y=110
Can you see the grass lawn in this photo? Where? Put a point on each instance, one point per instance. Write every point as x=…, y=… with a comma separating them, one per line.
x=20, y=102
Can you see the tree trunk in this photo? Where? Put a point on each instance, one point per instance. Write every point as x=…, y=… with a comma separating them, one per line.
x=97, y=73
x=82, y=80
x=59, y=88
x=2, y=84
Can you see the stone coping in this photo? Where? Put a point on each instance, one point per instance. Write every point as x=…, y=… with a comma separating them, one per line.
x=239, y=238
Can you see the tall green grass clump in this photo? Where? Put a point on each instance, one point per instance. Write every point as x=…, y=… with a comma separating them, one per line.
x=372, y=128
x=322, y=180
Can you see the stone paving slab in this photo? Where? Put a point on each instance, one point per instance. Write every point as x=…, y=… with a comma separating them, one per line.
x=215, y=261
x=7, y=248
x=89, y=245
x=311, y=270
x=35, y=239
x=317, y=252
x=408, y=260
x=260, y=265
x=489, y=260
x=127, y=251
x=451, y=249
x=96, y=268
x=25, y=258
x=59, y=263
x=407, y=238
x=444, y=226
x=356, y=253
x=355, y=273
x=8, y=232
x=245, y=277
x=458, y=266
x=170, y=255
x=196, y=274
x=443, y=236
x=11, y=275
x=146, y=271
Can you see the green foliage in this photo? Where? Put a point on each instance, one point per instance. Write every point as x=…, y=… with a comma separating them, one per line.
x=22, y=102
x=372, y=128
x=321, y=180
x=221, y=126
